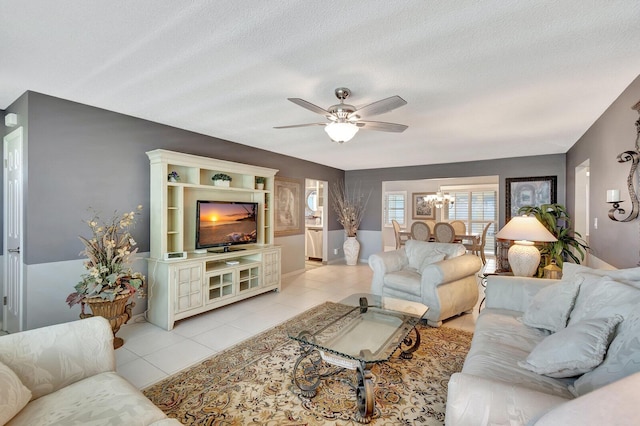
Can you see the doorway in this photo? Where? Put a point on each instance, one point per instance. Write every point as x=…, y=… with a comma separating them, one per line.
x=12, y=290
x=315, y=220
x=581, y=202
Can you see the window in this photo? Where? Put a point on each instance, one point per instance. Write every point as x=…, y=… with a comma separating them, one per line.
x=395, y=207
x=476, y=208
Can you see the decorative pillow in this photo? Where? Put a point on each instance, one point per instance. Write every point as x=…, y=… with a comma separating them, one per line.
x=428, y=260
x=575, y=350
x=622, y=360
x=601, y=297
x=551, y=306
x=630, y=276
x=14, y=396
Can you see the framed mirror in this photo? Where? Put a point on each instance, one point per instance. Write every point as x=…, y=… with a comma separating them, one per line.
x=312, y=200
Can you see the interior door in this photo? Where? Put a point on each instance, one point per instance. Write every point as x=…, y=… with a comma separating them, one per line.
x=13, y=288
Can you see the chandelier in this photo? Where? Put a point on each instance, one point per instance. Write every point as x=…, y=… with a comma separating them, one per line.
x=439, y=199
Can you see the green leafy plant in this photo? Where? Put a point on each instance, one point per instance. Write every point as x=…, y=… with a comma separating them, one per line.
x=260, y=179
x=221, y=176
x=556, y=219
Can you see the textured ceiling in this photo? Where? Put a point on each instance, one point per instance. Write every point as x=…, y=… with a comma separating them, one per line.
x=483, y=79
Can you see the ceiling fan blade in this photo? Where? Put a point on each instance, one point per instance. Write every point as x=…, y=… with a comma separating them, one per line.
x=309, y=106
x=379, y=107
x=381, y=126
x=300, y=125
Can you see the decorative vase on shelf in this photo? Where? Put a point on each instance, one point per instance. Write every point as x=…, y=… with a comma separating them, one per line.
x=221, y=182
x=260, y=186
x=351, y=249
x=117, y=312
x=172, y=179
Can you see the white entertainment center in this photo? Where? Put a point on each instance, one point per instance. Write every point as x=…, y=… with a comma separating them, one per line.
x=183, y=282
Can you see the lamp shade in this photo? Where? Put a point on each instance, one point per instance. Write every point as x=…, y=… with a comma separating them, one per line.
x=341, y=132
x=525, y=228
x=523, y=256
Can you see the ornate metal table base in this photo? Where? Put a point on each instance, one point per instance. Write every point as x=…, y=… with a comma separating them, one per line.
x=311, y=367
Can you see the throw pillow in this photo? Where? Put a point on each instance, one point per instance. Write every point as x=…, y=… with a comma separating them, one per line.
x=550, y=307
x=576, y=350
x=14, y=396
x=428, y=260
x=630, y=276
x=623, y=358
x=601, y=297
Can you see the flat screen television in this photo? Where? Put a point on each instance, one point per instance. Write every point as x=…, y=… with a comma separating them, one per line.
x=225, y=224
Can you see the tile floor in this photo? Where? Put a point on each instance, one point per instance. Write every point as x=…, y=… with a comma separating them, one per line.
x=150, y=353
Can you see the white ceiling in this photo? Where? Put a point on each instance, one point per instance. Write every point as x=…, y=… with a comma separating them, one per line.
x=483, y=79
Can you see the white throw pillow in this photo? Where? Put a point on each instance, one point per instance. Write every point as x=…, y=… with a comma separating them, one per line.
x=601, y=297
x=550, y=307
x=14, y=396
x=575, y=350
x=622, y=360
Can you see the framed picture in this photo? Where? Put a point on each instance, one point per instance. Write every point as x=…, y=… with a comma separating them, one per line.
x=421, y=208
x=529, y=191
x=288, y=214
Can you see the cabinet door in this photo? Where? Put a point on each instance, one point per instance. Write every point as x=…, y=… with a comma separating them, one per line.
x=248, y=278
x=271, y=266
x=188, y=285
x=220, y=285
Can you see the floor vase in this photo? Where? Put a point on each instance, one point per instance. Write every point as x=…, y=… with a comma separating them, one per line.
x=351, y=249
x=117, y=312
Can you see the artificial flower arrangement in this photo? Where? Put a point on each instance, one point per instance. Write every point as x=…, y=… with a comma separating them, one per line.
x=349, y=206
x=110, y=251
x=173, y=175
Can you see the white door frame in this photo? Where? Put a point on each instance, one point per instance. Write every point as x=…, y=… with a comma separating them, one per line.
x=13, y=288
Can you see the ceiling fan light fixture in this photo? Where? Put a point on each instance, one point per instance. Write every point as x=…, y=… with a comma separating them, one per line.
x=341, y=132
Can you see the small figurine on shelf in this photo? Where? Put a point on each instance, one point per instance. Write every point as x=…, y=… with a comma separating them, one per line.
x=173, y=176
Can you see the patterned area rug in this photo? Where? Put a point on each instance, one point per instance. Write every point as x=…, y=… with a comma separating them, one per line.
x=251, y=383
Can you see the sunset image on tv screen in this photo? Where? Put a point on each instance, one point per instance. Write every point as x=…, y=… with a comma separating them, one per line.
x=222, y=223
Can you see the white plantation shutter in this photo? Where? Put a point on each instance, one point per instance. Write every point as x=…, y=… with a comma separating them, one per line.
x=395, y=207
x=476, y=209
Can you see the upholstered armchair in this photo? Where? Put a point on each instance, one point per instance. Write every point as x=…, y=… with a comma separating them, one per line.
x=439, y=275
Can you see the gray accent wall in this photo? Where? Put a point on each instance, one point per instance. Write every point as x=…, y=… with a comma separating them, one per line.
x=371, y=180
x=81, y=156
x=617, y=243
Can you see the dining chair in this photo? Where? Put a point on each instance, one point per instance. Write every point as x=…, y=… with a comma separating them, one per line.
x=459, y=227
x=477, y=245
x=444, y=232
x=401, y=236
x=420, y=231
x=431, y=224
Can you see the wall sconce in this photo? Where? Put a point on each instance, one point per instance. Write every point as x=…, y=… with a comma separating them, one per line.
x=11, y=120
x=613, y=195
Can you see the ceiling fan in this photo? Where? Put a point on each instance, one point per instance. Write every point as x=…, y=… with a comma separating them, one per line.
x=345, y=120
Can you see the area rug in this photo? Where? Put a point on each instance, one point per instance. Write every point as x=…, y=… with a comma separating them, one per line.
x=251, y=383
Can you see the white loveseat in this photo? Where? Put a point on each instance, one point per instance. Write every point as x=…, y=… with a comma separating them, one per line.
x=65, y=375
x=438, y=275
x=551, y=352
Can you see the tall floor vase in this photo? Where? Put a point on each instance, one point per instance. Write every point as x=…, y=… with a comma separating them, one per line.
x=351, y=249
x=117, y=312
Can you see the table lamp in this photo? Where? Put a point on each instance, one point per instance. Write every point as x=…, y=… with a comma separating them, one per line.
x=523, y=256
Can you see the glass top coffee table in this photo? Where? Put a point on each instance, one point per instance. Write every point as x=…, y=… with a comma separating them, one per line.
x=365, y=329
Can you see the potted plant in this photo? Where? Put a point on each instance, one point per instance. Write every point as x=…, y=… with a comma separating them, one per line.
x=570, y=244
x=173, y=176
x=349, y=205
x=109, y=281
x=221, y=179
x=260, y=182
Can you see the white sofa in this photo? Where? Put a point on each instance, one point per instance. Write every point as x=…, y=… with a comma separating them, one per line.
x=65, y=375
x=439, y=275
x=553, y=352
